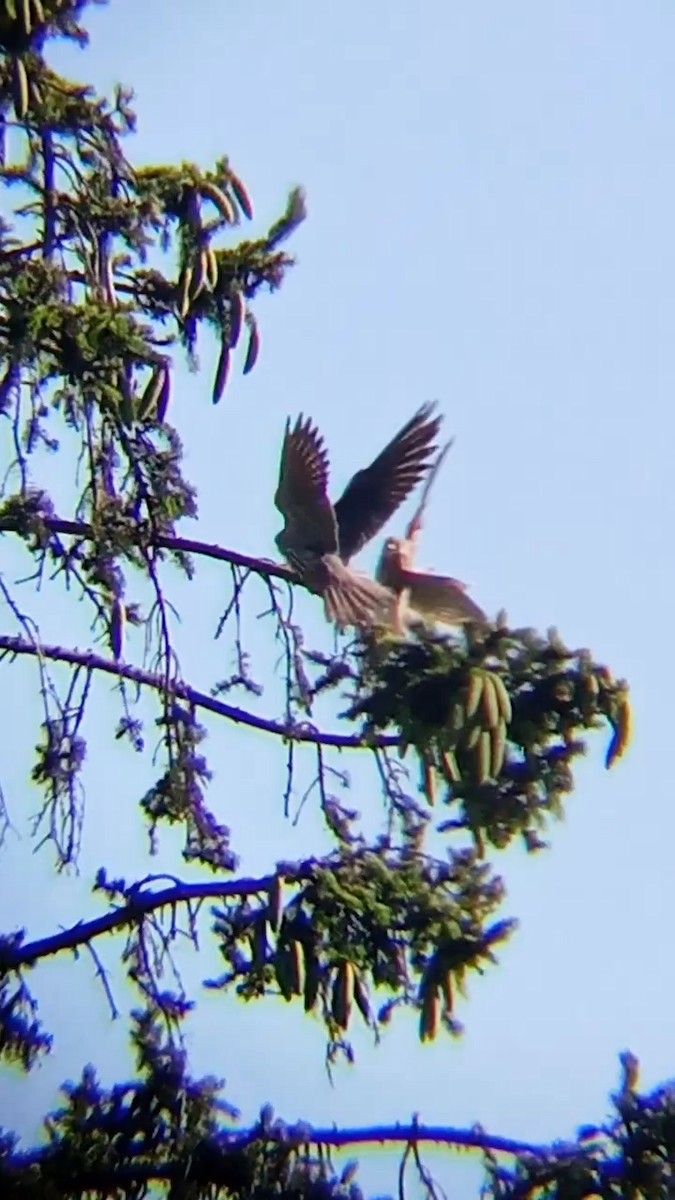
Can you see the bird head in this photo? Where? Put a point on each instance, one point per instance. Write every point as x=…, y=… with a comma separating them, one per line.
x=390, y=563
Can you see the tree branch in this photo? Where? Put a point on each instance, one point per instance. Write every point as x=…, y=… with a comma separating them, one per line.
x=290, y=732
x=260, y=566
x=233, y=1144
x=470, y=1139
x=140, y=904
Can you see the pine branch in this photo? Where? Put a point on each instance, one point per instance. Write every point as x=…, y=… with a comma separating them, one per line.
x=211, y=1160
x=14, y=956
x=443, y=1135
x=259, y=566
x=302, y=732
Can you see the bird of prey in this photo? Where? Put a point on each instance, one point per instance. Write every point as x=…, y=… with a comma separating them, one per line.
x=319, y=538
x=435, y=599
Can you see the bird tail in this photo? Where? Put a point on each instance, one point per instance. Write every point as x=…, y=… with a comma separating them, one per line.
x=442, y=600
x=351, y=598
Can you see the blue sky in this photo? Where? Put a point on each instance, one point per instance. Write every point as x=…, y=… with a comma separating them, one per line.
x=490, y=191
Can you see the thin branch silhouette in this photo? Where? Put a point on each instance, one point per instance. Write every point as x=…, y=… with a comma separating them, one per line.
x=140, y=904
x=230, y=1143
x=291, y=732
x=81, y=529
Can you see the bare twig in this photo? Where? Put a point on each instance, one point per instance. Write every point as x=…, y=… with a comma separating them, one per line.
x=103, y=976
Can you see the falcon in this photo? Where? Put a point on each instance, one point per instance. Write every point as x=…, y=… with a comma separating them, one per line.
x=436, y=599
x=320, y=538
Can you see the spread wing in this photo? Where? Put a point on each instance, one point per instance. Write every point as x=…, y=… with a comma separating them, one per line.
x=302, y=492
x=394, y=572
x=374, y=494
x=440, y=599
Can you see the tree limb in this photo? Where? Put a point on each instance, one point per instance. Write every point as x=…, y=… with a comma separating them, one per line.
x=13, y=956
x=230, y=1144
x=290, y=732
x=260, y=566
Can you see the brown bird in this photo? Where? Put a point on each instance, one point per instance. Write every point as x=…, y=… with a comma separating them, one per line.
x=436, y=599
x=319, y=538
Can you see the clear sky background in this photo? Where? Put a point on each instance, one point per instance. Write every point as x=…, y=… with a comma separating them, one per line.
x=490, y=191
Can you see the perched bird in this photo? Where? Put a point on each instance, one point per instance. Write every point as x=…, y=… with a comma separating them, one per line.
x=319, y=538
x=435, y=599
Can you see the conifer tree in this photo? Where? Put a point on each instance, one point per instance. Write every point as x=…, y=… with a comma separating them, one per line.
x=110, y=272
